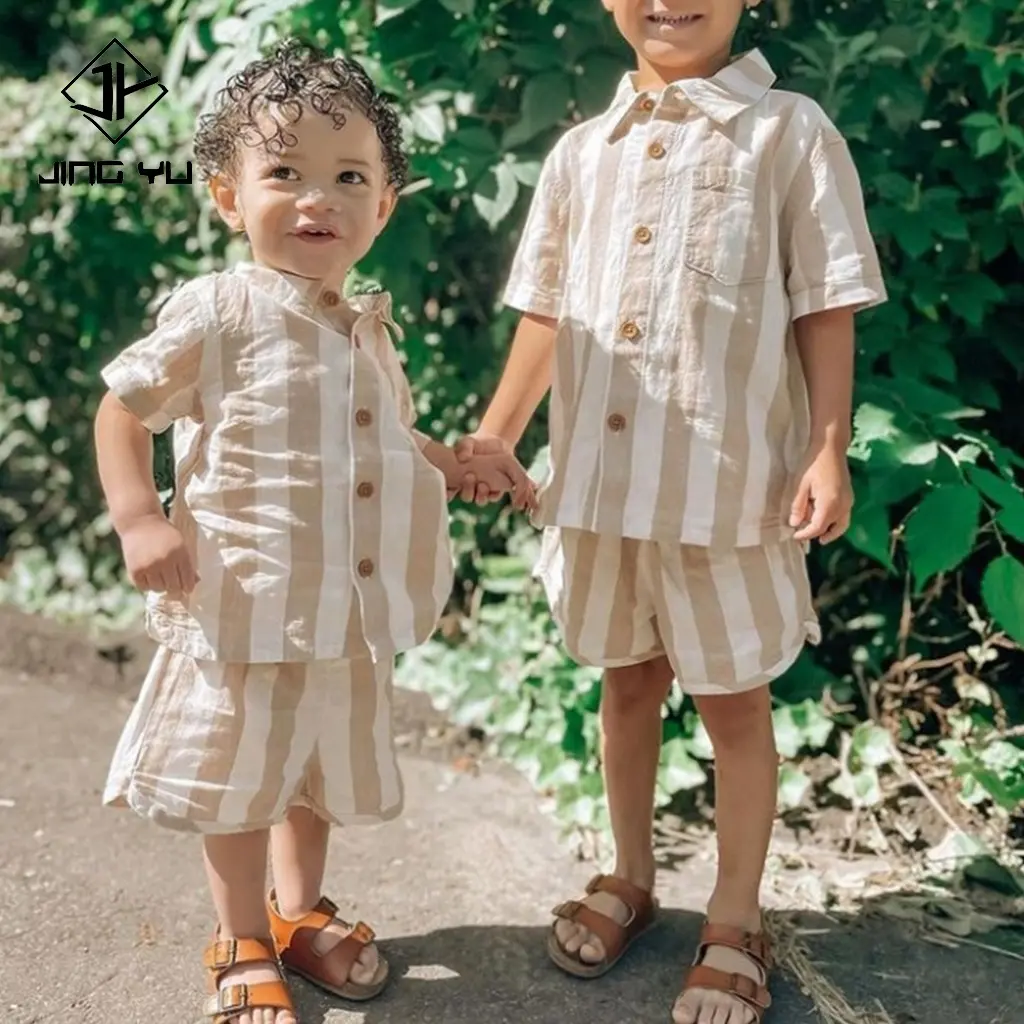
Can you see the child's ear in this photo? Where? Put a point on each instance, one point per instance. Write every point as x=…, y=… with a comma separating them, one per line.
x=225, y=198
x=386, y=207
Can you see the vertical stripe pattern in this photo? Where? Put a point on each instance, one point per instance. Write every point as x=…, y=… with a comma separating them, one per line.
x=318, y=527
x=225, y=747
x=728, y=620
x=675, y=239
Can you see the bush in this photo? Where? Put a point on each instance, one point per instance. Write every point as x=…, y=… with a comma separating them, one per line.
x=923, y=604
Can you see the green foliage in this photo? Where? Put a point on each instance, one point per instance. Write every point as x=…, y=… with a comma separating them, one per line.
x=932, y=100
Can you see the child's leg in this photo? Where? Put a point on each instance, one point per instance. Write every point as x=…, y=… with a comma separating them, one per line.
x=236, y=866
x=746, y=780
x=631, y=743
x=299, y=854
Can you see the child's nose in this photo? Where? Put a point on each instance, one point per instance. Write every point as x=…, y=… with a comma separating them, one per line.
x=316, y=199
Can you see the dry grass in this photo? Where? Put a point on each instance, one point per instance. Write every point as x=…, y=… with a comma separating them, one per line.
x=793, y=956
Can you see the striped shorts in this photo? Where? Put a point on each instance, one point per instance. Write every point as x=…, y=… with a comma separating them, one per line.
x=728, y=621
x=221, y=747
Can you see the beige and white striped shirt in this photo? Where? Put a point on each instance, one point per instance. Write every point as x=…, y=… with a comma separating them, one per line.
x=318, y=527
x=676, y=238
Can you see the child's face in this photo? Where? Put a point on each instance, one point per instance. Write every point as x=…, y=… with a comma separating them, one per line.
x=679, y=38
x=314, y=209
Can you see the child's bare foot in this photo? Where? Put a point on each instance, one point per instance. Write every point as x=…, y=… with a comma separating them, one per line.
x=250, y=988
x=716, y=990
x=578, y=940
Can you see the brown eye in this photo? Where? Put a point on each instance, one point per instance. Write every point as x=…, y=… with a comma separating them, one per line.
x=351, y=178
x=282, y=173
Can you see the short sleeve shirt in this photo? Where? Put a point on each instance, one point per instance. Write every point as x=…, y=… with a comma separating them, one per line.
x=317, y=526
x=675, y=239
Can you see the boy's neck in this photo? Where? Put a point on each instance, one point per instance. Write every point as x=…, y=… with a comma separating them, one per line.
x=653, y=77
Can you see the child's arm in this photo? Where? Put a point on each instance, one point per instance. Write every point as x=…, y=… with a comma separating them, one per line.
x=151, y=384
x=524, y=383
x=824, y=499
x=154, y=551
x=500, y=472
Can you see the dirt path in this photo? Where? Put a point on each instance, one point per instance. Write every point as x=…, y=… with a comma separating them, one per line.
x=458, y=890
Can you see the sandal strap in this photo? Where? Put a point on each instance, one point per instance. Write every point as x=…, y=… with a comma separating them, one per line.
x=294, y=941
x=637, y=899
x=221, y=954
x=751, y=944
x=739, y=986
x=233, y=1000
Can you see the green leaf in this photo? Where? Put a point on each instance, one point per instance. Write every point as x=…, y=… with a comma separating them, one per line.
x=977, y=23
x=793, y=787
x=871, y=533
x=679, y=771
x=496, y=194
x=989, y=141
x=872, y=745
x=1002, y=587
x=459, y=7
x=544, y=103
x=941, y=531
x=388, y=9
x=428, y=122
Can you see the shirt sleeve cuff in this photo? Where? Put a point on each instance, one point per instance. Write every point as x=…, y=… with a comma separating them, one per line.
x=861, y=294
x=131, y=393
x=533, y=300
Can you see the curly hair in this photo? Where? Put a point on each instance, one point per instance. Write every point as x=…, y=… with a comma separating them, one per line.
x=295, y=76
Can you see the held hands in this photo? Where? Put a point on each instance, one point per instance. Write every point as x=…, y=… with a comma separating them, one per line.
x=824, y=498
x=156, y=557
x=490, y=470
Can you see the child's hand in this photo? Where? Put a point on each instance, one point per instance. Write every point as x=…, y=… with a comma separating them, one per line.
x=156, y=556
x=467, y=449
x=502, y=473
x=824, y=499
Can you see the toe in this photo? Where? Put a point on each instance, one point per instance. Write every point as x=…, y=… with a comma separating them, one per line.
x=592, y=951
x=684, y=1012
x=365, y=967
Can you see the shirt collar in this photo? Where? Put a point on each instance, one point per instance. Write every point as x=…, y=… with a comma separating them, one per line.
x=737, y=87
x=306, y=295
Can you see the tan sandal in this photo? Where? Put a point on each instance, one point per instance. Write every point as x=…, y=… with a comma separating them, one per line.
x=230, y=1002
x=616, y=938
x=329, y=971
x=753, y=945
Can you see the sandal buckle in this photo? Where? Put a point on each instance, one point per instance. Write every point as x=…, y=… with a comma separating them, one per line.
x=232, y=998
x=327, y=906
x=224, y=954
x=363, y=934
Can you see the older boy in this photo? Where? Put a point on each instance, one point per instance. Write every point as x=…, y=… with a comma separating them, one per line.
x=689, y=275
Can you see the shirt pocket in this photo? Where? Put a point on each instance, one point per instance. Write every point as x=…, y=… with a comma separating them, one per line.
x=728, y=232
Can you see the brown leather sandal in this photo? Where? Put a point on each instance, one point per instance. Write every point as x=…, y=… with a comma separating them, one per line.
x=330, y=971
x=616, y=938
x=230, y=1002
x=754, y=945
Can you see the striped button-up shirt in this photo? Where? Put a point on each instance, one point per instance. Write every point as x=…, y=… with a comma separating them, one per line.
x=676, y=238
x=316, y=524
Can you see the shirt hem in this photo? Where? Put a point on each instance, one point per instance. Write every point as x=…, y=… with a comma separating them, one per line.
x=861, y=294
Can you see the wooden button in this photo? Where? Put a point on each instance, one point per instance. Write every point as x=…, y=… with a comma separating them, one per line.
x=617, y=422
x=630, y=331
x=365, y=489
x=642, y=234
x=365, y=568
x=655, y=150
x=647, y=104
x=364, y=417
x=330, y=299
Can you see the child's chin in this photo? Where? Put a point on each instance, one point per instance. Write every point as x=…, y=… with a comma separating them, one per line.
x=668, y=55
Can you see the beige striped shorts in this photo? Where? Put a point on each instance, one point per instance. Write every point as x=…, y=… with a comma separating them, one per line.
x=728, y=621
x=221, y=747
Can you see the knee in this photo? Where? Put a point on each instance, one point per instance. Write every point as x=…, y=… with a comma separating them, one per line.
x=740, y=721
x=636, y=689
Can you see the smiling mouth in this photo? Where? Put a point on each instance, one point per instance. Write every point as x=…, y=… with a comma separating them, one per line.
x=318, y=234
x=674, y=20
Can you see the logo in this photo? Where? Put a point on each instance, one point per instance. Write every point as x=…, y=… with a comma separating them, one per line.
x=103, y=93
